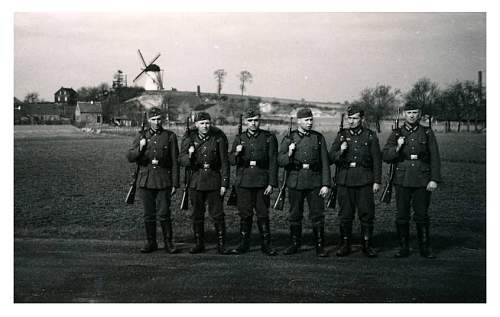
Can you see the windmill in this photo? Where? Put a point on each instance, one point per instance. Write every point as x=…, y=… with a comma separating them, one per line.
x=152, y=73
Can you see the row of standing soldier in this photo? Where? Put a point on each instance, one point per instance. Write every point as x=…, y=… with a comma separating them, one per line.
x=411, y=150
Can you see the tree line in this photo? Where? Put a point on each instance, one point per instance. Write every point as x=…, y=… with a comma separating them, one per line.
x=463, y=102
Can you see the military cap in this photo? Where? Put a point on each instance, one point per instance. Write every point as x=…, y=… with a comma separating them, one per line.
x=202, y=116
x=304, y=113
x=251, y=112
x=410, y=106
x=351, y=110
x=154, y=112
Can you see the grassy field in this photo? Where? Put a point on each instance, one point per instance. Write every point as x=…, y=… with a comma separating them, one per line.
x=70, y=184
x=77, y=241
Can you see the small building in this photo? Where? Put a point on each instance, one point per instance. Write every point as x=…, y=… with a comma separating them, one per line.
x=122, y=121
x=41, y=112
x=88, y=112
x=66, y=95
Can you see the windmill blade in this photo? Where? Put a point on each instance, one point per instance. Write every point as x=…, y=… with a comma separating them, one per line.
x=142, y=58
x=136, y=77
x=154, y=59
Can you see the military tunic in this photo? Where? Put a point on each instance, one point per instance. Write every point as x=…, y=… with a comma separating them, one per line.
x=210, y=171
x=417, y=163
x=159, y=171
x=308, y=170
x=256, y=168
x=360, y=165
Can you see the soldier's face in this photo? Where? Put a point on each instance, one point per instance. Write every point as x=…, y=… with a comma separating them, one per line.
x=155, y=122
x=354, y=120
x=253, y=123
x=305, y=123
x=203, y=126
x=412, y=116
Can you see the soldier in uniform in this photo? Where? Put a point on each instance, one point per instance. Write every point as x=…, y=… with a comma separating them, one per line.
x=254, y=153
x=204, y=151
x=414, y=149
x=156, y=152
x=356, y=151
x=305, y=156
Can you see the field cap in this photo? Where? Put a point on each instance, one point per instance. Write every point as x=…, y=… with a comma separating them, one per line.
x=202, y=116
x=351, y=110
x=251, y=112
x=410, y=106
x=304, y=113
x=154, y=112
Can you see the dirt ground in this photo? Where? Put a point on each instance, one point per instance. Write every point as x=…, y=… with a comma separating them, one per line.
x=51, y=270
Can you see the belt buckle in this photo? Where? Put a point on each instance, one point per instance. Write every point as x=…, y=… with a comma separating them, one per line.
x=413, y=157
x=253, y=163
x=206, y=166
x=154, y=162
x=305, y=166
x=352, y=164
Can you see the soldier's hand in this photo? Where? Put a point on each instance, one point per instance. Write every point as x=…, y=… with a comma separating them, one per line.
x=269, y=190
x=401, y=141
x=323, y=192
x=343, y=146
x=239, y=148
x=172, y=192
x=432, y=186
x=191, y=150
x=291, y=148
x=142, y=144
x=376, y=187
x=222, y=191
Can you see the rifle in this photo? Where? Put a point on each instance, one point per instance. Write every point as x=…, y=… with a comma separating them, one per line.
x=387, y=192
x=187, y=177
x=133, y=185
x=233, y=196
x=331, y=202
x=280, y=200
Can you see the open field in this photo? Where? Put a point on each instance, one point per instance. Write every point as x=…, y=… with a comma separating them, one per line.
x=70, y=186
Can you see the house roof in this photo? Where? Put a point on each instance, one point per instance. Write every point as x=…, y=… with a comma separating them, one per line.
x=71, y=90
x=42, y=108
x=88, y=107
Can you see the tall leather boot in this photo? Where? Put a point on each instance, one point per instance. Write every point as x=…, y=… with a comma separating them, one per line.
x=319, y=235
x=367, y=247
x=166, y=227
x=423, y=241
x=245, y=232
x=296, y=239
x=403, y=230
x=199, y=232
x=345, y=242
x=220, y=229
x=265, y=236
x=151, y=244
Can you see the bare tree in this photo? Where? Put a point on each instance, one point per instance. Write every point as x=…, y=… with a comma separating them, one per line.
x=424, y=94
x=245, y=77
x=32, y=97
x=378, y=102
x=219, y=75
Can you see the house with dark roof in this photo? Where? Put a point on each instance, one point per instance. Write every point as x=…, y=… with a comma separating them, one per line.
x=88, y=112
x=66, y=95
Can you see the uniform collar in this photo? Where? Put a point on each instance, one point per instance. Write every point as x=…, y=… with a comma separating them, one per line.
x=411, y=128
x=356, y=131
x=204, y=137
x=157, y=131
x=303, y=133
x=254, y=134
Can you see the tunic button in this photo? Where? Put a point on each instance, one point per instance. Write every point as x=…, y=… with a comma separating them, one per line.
x=412, y=164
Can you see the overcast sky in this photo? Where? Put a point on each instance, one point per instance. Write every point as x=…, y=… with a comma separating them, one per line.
x=316, y=56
